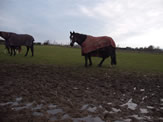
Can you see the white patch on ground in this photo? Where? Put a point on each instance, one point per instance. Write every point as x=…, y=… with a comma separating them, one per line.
x=142, y=90
x=89, y=118
x=18, y=99
x=143, y=110
x=144, y=97
x=124, y=120
x=84, y=107
x=66, y=116
x=150, y=107
x=52, y=106
x=130, y=105
x=115, y=110
x=100, y=106
x=161, y=99
x=92, y=109
x=15, y=103
x=127, y=120
x=161, y=118
x=37, y=107
x=7, y=103
x=147, y=117
x=109, y=103
x=28, y=105
x=137, y=117
x=105, y=112
x=75, y=88
x=54, y=111
x=37, y=114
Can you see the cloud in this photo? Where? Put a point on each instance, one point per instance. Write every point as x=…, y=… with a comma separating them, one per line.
x=127, y=19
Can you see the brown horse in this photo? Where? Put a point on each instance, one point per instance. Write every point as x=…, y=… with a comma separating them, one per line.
x=14, y=41
x=95, y=46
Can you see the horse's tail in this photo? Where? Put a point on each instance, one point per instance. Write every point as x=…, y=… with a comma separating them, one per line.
x=113, y=57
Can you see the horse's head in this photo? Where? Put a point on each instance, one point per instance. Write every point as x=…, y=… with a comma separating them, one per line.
x=1, y=33
x=77, y=37
x=73, y=38
x=5, y=35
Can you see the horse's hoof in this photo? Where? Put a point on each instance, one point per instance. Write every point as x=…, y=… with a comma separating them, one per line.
x=90, y=64
x=112, y=66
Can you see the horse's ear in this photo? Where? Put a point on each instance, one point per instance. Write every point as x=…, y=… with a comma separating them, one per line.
x=73, y=32
x=70, y=32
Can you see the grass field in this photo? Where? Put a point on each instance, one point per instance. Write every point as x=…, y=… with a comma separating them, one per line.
x=66, y=56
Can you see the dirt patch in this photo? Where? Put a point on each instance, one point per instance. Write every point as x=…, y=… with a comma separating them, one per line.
x=66, y=94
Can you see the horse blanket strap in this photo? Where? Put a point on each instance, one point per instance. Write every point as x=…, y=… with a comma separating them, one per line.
x=93, y=43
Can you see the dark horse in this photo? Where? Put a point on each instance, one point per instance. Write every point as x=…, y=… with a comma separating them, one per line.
x=95, y=46
x=14, y=41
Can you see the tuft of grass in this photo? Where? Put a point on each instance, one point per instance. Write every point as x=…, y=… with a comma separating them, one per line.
x=71, y=57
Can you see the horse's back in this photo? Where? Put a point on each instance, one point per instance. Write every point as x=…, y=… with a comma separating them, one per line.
x=21, y=39
x=106, y=40
x=93, y=43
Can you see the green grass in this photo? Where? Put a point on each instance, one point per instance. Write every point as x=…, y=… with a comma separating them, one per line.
x=140, y=61
x=65, y=56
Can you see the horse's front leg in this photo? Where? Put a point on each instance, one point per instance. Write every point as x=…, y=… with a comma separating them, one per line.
x=86, y=60
x=90, y=61
x=8, y=49
x=11, y=51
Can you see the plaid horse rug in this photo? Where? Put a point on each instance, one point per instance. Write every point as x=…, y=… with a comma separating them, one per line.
x=20, y=39
x=93, y=43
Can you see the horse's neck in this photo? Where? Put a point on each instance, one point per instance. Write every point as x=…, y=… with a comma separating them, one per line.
x=82, y=38
x=6, y=35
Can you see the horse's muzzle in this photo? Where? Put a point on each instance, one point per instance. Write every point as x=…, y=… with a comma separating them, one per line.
x=71, y=44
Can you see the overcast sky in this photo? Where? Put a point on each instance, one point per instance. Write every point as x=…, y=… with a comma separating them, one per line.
x=133, y=23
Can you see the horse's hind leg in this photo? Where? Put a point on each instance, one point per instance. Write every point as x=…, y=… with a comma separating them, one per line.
x=12, y=51
x=113, y=58
x=100, y=64
x=32, y=50
x=27, y=51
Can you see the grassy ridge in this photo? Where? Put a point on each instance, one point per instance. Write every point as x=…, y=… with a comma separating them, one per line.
x=64, y=56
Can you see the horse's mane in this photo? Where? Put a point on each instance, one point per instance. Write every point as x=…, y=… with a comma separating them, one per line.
x=81, y=37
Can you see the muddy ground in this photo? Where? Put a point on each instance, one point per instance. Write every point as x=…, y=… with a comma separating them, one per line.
x=50, y=93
